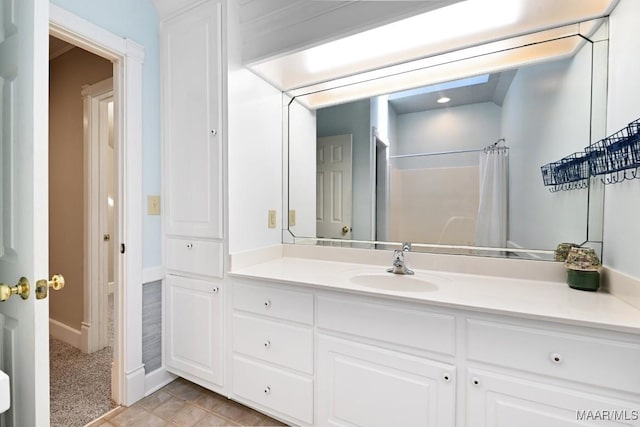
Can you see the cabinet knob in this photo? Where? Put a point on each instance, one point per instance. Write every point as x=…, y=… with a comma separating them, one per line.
x=446, y=377
x=556, y=358
x=267, y=344
x=216, y=290
x=267, y=390
x=475, y=381
x=214, y=132
x=267, y=303
x=189, y=245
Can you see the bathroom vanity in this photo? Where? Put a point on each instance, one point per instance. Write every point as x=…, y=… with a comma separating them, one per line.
x=314, y=344
x=321, y=336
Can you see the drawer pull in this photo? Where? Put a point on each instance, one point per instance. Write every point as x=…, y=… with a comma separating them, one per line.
x=267, y=303
x=267, y=344
x=446, y=377
x=267, y=390
x=189, y=245
x=216, y=290
x=556, y=358
x=475, y=381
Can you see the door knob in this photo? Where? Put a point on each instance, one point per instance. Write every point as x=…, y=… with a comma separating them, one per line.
x=42, y=286
x=22, y=289
x=345, y=229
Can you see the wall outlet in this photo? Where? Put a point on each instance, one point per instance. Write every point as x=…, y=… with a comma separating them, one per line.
x=153, y=205
x=292, y=217
x=272, y=219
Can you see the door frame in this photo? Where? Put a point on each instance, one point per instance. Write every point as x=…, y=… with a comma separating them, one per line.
x=128, y=374
x=95, y=98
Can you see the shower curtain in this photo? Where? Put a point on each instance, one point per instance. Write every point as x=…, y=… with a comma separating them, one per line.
x=491, y=226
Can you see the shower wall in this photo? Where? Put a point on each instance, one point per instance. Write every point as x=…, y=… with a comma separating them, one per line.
x=435, y=198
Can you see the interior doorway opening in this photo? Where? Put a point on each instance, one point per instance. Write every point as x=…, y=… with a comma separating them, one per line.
x=82, y=216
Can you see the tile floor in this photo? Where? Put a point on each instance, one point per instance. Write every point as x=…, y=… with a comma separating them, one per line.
x=184, y=404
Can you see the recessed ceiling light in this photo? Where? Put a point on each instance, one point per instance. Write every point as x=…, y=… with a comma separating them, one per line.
x=443, y=100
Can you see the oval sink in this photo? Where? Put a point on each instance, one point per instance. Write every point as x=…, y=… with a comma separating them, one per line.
x=394, y=282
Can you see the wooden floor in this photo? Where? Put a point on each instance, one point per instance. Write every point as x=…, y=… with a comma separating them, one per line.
x=184, y=404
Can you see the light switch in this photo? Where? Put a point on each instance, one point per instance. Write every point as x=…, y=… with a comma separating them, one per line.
x=292, y=217
x=272, y=219
x=153, y=205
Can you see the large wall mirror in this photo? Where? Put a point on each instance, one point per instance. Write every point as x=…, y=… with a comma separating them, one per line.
x=453, y=164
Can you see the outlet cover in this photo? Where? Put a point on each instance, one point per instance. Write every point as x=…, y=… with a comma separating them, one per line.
x=272, y=218
x=292, y=217
x=153, y=205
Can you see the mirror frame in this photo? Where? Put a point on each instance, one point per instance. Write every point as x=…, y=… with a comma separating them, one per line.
x=593, y=31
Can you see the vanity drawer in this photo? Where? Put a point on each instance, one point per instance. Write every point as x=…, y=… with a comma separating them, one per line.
x=272, y=388
x=274, y=302
x=194, y=257
x=408, y=327
x=286, y=345
x=580, y=358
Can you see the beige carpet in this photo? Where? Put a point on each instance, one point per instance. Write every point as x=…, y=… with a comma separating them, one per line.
x=80, y=383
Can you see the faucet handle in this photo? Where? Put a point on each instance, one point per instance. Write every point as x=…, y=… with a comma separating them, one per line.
x=406, y=247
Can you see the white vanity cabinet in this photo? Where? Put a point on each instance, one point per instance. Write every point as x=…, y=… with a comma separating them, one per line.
x=375, y=365
x=194, y=329
x=192, y=203
x=521, y=374
x=322, y=356
x=273, y=349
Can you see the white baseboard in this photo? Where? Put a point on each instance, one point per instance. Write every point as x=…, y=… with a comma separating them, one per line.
x=157, y=379
x=134, y=385
x=65, y=333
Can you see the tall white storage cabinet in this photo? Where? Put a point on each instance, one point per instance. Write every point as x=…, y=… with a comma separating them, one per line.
x=192, y=129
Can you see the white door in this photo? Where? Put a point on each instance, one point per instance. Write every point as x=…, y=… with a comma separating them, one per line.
x=193, y=328
x=24, y=205
x=361, y=385
x=333, y=187
x=495, y=400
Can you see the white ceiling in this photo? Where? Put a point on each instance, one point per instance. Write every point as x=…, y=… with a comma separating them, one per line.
x=493, y=90
x=273, y=27
x=293, y=71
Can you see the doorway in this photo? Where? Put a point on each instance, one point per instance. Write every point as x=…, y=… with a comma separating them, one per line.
x=81, y=220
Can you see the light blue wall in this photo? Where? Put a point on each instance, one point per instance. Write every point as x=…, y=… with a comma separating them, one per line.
x=138, y=21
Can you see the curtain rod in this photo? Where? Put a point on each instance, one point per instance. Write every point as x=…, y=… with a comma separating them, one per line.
x=438, y=153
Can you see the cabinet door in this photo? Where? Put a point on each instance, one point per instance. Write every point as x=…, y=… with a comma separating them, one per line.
x=362, y=385
x=193, y=328
x=502, y=401
x=191, y=119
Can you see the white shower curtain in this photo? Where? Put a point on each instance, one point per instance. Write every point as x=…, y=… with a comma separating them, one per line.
x=491, y=226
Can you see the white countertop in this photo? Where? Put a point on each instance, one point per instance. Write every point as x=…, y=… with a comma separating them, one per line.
x=542, y=300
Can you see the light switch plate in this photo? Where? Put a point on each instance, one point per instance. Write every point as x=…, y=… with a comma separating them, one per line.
x=272, y=218
x=292, y=217
x=153, y=205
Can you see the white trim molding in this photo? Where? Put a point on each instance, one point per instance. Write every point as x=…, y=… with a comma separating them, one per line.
x=128, y=385
x=157, y=379
x=129, y=96
x=94, y=99
x=153, y=274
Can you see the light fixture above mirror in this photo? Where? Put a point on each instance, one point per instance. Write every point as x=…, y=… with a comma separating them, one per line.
x=452, y=28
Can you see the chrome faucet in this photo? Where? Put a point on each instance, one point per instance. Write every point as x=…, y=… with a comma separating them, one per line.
x=399, y=267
